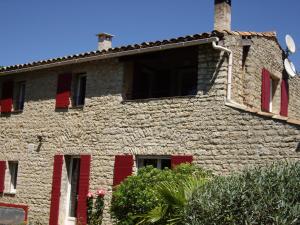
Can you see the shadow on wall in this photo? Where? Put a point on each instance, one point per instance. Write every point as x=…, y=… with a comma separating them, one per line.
x=298, y=147
x=214, y=66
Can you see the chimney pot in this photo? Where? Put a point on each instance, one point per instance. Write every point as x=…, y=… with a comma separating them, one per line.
x=104, y=41
x=222, y=15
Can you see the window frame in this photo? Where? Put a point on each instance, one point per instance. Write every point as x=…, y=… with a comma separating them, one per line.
x=70, y=175
x=77, y=90
x=273, y=88
x=274, y=101
x=12, y=177
x=159, y=158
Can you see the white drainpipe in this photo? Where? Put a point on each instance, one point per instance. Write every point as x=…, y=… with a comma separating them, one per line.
x=228, y=100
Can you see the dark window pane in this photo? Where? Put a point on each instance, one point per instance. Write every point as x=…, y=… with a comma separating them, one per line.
x=165, y=163
x=150, y=162
x=79, y=98
x=19, y=104
x=13, y=168
x=82, y=90
x=164, y=74
x=189, y=83
x=74, y=187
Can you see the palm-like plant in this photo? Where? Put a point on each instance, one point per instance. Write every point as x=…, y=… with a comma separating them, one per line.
x=175, y=197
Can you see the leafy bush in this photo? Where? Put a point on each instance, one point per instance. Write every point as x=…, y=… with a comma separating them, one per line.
x=175, y=196
x=138, y=194
x=259, y=196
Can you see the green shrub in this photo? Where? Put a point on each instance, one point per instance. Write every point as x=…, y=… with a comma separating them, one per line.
x=174, y=196
x=138, y=194
x=259, y=196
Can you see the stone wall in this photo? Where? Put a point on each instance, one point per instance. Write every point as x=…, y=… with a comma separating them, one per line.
x=246, y=82
x=294, y=93
x=220, y=138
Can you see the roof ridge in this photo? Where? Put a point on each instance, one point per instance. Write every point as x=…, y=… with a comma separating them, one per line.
x=250, y=33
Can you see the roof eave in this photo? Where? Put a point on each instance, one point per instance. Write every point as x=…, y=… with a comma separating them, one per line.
x=111, y=55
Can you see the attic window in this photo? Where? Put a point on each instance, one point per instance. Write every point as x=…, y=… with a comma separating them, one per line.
x=162, y=74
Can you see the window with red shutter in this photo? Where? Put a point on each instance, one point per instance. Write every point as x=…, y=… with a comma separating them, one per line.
x=284, y=98
x=55, y=193
x=63, y=90
x=179, y=159
x=2, y=175
x=123, y=168
x=83, y=188
x=265, y=91
x=7, y=96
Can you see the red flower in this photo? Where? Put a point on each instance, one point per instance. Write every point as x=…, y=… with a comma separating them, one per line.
x=90, y=195
x=101, y=193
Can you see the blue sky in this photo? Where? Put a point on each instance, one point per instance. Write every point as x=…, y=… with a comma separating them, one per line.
x=39, y=29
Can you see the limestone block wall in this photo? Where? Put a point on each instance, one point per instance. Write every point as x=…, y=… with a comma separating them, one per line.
x=263, y=53
x=246, y=82
x=294, y=93
x=221, y=138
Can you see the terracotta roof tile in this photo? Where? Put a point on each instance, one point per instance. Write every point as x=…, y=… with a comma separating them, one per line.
x=199, y=36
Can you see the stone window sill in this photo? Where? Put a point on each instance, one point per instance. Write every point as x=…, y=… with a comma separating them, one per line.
x=11, y=193
x=158, y=99
x=79, y=107
x=17, y=111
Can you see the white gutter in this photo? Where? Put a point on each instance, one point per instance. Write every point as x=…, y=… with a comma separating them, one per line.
x=228, y=100
x=112, y=55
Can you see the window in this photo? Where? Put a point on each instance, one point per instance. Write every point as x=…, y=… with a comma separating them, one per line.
x=11, y=177
x=159, y=162
x=274, y=103
x=70, y=184
x=20, y=96
x=270, y=97
x=80, y=89
x=161, y=74
x=72, y=193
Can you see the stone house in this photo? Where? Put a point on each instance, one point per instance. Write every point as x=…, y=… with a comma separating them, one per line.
x=83, y=122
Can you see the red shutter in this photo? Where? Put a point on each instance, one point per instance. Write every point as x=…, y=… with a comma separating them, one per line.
x=83, y=188
x=2, y=175
x=284, y=98
x=265, y=91
x=63, y=90
x=123, y=168
x=55, y=193
x=7, y=96
x=178, y=159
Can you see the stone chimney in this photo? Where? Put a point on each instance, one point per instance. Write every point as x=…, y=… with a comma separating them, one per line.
x=104, y=41
x=222, y=15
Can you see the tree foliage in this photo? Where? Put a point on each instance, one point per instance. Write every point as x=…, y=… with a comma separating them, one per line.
x=268, y=196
